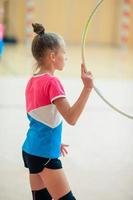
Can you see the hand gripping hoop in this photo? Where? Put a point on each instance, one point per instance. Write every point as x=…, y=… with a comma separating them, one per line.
x=85, y=30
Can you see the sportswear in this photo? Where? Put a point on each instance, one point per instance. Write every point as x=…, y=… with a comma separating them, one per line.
x=45, y=127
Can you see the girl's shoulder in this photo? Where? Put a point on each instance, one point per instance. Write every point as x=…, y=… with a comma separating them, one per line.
x=43, y=79
x=44, y=76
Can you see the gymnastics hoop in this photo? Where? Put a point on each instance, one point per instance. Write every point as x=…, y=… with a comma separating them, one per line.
x=83, y=40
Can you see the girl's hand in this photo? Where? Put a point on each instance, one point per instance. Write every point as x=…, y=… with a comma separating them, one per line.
x=63, y=149
x=86, y=77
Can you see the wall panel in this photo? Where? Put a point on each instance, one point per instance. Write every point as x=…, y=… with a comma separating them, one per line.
x=68, y=18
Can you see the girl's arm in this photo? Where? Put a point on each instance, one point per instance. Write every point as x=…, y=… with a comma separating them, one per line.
x=72, y=113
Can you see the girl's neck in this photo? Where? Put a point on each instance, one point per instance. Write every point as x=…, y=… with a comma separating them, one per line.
x=44, y=70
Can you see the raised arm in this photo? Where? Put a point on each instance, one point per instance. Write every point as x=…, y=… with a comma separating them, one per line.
x=72, y=113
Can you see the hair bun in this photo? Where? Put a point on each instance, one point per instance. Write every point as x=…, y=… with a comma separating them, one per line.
x=38, y=29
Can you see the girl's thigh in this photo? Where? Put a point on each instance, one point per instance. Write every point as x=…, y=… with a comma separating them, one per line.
x=56, y=182
x=36, y=182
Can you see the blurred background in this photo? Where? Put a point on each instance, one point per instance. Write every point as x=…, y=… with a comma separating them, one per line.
x=100, y=165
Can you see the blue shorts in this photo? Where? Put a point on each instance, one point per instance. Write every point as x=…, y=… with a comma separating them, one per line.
x=36, y=164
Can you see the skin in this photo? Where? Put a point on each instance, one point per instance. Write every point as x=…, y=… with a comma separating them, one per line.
x=55, y=180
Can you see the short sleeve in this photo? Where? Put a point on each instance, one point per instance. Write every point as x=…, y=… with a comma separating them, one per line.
x=56, y=89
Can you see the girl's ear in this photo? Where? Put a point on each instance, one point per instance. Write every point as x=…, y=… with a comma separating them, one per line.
x=52, y=56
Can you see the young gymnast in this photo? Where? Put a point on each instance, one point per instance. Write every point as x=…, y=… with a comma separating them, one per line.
x=45, y=103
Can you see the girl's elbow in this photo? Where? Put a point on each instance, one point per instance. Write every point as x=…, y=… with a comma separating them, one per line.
x=71, y=122
x=70, y=119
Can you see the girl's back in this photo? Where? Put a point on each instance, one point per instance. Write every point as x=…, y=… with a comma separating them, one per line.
x=44, y=133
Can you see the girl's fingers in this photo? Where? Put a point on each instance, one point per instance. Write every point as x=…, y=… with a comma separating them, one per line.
x=83, y=68
x=63, y=153
x=90, y=76
x=89, y=73
x=65, y=145
x=65, y=150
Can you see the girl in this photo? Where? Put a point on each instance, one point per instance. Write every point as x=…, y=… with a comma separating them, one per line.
x=45, y=101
